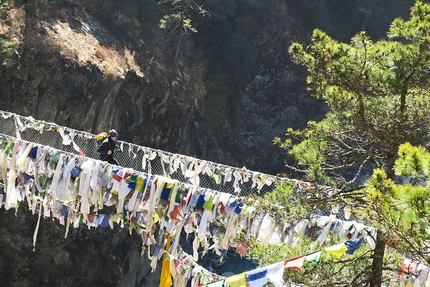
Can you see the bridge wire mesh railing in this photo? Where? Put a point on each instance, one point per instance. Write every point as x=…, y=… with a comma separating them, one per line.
x=147, y=160
x=205, y=174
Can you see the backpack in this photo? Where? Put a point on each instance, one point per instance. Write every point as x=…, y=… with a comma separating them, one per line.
x=101, y=137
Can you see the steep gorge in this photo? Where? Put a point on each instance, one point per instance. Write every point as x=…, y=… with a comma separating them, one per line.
x=102, y=64
x=93, y=65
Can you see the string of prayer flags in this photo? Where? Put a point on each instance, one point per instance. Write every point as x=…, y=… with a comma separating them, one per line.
x=162, y=202
x=195, y=207
x=191, y=168
x=274, y=272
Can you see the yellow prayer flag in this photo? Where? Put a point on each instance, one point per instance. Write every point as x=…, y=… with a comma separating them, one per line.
x=337, y=251
x=169, y=184
x=166, y=276
x=238, y=280
x=156, y=217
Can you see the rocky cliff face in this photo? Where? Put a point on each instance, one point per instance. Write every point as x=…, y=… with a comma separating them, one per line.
x=92, y=65
x=92, y=69
x=96, y=64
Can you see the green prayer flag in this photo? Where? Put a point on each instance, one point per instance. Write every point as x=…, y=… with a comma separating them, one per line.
x=314, y=257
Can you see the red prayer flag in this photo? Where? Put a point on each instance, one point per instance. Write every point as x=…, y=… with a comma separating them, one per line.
x=295, y=263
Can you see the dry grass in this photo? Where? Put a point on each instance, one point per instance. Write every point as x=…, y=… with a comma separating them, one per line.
x=85, y=49
x=14, y=30
x=75, y=44
x=131, y=62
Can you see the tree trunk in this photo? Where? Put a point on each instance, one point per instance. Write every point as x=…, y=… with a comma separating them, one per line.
x=178, y=46
x=378, y=256
x=175, y=60
x=391, y=159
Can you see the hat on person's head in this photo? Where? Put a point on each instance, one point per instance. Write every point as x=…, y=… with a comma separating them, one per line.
x=113, y=133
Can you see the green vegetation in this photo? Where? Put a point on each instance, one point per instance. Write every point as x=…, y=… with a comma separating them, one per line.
x=288, y=205
x=4, y=9
x=177, y=24
x=5, y=44
x=169, y=22
x=378, y=97
x=402, y=210
x=378, y=94
x=5, y=47
x=283, y=203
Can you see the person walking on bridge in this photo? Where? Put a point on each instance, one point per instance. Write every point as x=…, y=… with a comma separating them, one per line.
x=107, y=147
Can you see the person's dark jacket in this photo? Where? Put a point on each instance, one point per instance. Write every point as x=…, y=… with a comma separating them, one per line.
x=107, y=145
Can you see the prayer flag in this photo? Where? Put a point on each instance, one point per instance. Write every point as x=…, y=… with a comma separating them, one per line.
x=238, y=280
x=275, y=272
x=337, y=251
x=408, y=266
x=352, y=245
x=314, y=257
x=295, y=263
x=257, y=277
x=166, y=276
x=78, y=149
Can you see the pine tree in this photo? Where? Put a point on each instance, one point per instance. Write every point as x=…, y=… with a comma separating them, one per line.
x=378, y=95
